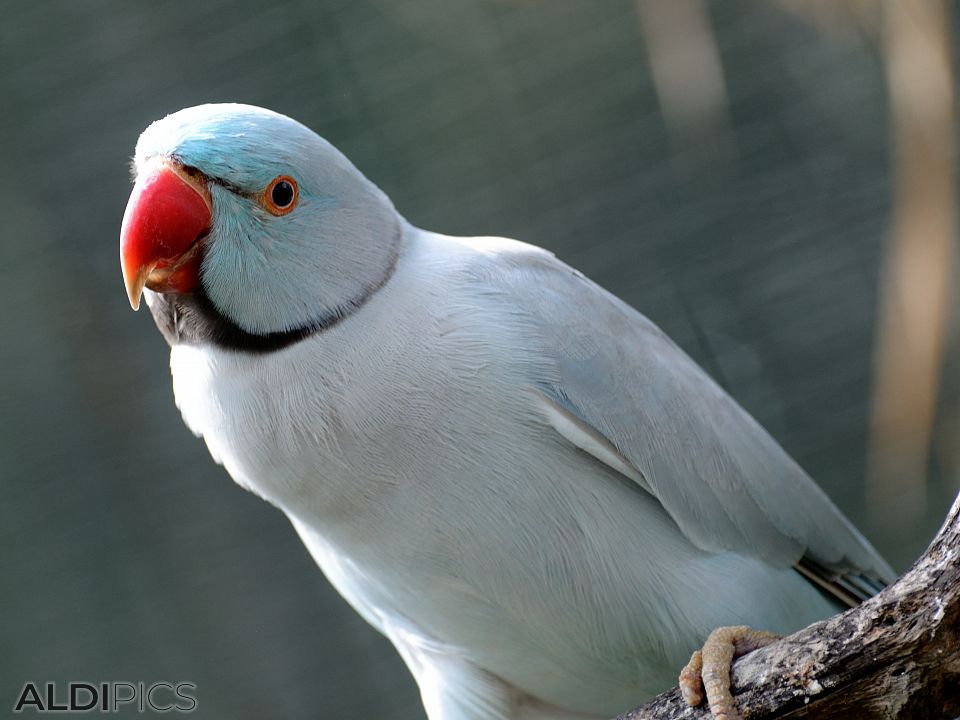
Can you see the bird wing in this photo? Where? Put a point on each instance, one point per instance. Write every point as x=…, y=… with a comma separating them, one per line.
x=619, y=389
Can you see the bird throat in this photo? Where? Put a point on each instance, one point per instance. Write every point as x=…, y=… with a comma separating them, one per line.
x=193, y=319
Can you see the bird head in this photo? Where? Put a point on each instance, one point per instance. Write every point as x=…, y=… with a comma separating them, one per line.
x=257, y=215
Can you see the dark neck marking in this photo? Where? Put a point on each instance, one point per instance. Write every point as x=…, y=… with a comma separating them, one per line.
x=193, y=319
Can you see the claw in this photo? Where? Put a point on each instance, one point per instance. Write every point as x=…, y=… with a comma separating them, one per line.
x=709, y=669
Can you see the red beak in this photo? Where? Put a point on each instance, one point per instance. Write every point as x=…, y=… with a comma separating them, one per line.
x=167, y=216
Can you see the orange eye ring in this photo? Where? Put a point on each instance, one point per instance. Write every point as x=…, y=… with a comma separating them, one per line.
x=280, y=196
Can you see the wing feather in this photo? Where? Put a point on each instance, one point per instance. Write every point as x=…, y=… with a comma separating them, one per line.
x=619, y=388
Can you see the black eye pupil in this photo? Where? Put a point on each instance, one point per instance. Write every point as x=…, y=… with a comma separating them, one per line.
x=282, y=194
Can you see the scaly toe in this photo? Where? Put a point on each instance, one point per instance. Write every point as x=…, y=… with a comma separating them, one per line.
x=709, y=669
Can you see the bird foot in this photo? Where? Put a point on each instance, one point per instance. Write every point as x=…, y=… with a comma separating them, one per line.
x=709, y=668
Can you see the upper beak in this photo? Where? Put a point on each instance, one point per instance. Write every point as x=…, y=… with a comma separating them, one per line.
x=168, y=213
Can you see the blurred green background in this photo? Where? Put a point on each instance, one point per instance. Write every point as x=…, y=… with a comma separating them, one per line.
x=727, y=168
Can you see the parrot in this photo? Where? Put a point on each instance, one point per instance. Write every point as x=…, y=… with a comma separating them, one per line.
x=540, y=500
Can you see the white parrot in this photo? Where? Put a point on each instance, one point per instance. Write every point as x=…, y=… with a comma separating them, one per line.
x=517, y=478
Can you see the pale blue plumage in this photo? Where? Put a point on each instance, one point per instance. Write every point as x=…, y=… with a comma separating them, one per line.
x=540, y=499
x=266, y=273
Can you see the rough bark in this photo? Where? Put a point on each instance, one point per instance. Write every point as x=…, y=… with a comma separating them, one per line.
x=895, y=656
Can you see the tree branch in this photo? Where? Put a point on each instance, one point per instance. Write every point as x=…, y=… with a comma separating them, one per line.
x=895, y=656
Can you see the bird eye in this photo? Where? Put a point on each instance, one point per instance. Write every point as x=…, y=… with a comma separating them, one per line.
x=281, y=195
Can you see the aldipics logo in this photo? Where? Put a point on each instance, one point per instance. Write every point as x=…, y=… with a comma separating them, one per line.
x=107, y=697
